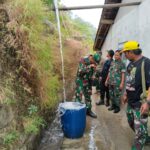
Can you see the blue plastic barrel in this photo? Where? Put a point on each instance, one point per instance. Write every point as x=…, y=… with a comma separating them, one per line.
x=73, y=119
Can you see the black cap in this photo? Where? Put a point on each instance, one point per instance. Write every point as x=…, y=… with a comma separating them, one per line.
x=111, y=53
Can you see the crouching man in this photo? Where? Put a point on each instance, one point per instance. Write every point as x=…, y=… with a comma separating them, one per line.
x=85, y=73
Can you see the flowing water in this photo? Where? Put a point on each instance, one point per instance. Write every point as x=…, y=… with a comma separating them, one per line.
x=60, y=44
x=92, y=144
x=52, y=138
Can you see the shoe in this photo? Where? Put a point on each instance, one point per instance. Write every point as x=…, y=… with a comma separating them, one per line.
x=98, y=91
x=116, y=110
x=91, y=114
x=107, y=103
x=100, y=102
x=111, y=108
x=147, y=140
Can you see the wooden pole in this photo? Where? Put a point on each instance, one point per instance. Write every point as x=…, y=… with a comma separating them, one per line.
x=108, y=6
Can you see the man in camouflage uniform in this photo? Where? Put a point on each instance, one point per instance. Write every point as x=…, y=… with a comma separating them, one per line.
x=97, y=74
x=137, y=111
x=115, y=80
x=78, y=81
x=84, y=77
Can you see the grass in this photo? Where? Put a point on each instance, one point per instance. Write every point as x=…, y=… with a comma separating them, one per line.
x=36, y=86
x=42, y=45
x=32, y=109
x=48, y=2
x=7, y=94
x=10, y=137
x=31, y=22
x=33, y=124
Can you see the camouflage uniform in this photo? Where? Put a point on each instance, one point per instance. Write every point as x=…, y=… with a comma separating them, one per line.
x=139, y=125
x=137, y=122
x=115, y=72
x=84, y=76
x=97, y=77
x=79, y=83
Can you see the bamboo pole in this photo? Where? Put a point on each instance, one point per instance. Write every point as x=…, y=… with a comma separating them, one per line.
x=108, y=6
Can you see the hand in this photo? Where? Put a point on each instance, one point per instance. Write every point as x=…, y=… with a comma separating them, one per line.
x=93, y=66
x=106, y=83
x=100, y=78
x=144, y=108
x=93, y=78
x=121, y=86
x=124, y=99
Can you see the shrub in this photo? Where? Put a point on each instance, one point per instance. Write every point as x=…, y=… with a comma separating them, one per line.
x=11, y=137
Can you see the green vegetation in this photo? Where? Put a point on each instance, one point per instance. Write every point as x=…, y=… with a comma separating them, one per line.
x=9, y=99
x=41, y=44
x=31, y=22
x=48, y=2
x=11, y=137
x=31, y=80
x=7, y=94
x=33, y=124
x=32, y=109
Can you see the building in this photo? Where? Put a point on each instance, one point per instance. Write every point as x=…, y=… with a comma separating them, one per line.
x=118, y=25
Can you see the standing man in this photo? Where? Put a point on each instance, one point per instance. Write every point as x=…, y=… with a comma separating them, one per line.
x=137, y=110
x=97, y=72
x=79, y=83
x=85, y=73
x=103, y=75
x=115, y=80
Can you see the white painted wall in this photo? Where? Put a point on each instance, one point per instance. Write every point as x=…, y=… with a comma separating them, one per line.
x=131, y=23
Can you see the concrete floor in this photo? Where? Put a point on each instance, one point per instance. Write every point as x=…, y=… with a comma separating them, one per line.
x=108, y=132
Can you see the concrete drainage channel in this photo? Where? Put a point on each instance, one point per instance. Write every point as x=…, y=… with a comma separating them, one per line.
x=100, y=134
x=53, y=137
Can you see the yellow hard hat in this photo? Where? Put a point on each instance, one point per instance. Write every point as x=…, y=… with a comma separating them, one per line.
x=130, y=45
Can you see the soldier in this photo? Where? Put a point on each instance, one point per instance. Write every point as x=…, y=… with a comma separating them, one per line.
x=97, y=73
x=103, y=75
x=85, y=73
x=78, y=81
x=115, y=80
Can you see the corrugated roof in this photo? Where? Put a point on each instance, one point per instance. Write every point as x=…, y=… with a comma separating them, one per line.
x=108, y=15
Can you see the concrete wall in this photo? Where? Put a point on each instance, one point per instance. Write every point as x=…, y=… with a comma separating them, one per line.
x=131, y=23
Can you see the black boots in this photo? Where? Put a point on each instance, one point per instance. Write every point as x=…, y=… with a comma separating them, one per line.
x=107, y=103
x=101, y=102
x=111, y=108
x=91, y=114
x=147, y=140
x=117, y=109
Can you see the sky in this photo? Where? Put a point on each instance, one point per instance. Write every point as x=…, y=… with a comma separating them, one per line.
x=89, y=15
